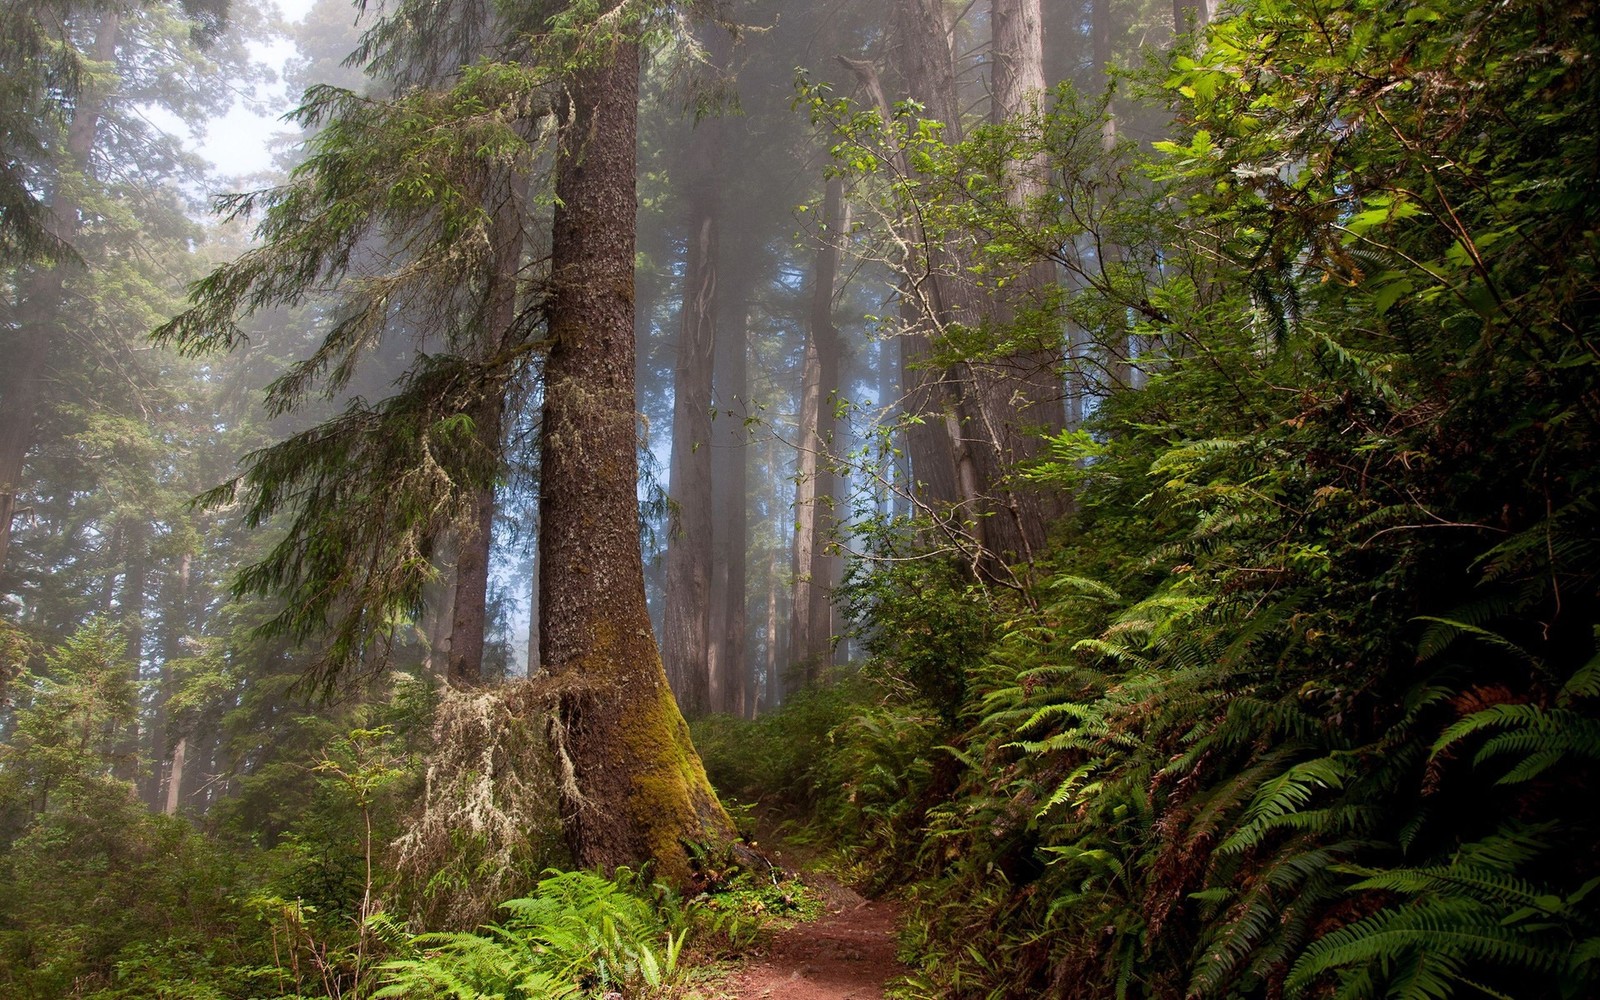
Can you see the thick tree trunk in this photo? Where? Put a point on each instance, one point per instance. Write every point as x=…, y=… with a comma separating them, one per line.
x=685, y=634
x=633, y=788
x=810, y=630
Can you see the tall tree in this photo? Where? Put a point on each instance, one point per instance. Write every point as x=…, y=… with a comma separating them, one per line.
x=685, y=640
x=1021, y=388
x=728, y=650
x=811, y=629
x=635, y=788
x=75, y=79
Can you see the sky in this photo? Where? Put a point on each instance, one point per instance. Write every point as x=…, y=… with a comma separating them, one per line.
x=239, y=143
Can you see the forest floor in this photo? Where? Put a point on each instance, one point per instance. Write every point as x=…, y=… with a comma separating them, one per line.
x=848, y=953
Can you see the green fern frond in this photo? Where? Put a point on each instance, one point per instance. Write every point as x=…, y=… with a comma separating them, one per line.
x=1284, y=796
x=1445, y=631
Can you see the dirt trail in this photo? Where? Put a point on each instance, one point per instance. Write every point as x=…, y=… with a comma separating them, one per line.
x=846, y=954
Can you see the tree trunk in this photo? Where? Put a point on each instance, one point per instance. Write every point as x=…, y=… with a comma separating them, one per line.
x=1063, y=40
x=136, y=563
x=469, y=615
x=810, y=631
x=1021, y=394
x=728, y=651
x=633, y=788
x=533, y=607
x=469, y=618
x=776, y=654
x=174, y=630
x=440, y=597
x=686, y=620
x=180, y=754
x=1114, y=339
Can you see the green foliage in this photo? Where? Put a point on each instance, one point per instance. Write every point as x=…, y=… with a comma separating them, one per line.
x=929, y=623
x=1305, y=704
x=773, y=758
x=579, y=935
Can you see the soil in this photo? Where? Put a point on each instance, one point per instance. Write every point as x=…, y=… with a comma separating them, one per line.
x=846, y=954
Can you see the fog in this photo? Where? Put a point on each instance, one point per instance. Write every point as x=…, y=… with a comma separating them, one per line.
x=781, y=388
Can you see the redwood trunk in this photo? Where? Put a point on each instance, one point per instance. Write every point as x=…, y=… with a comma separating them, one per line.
x=686, y=632
x=634, y=789
x=810, y=631
x=731, y=690
x=1022, y=394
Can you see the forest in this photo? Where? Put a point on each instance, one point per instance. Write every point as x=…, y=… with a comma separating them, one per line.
x=533, y=499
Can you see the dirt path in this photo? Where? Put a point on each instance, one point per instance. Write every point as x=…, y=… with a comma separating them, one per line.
x=846, y=954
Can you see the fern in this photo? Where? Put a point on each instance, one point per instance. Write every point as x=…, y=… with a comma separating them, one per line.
x=578, y=931
x=1280, y=800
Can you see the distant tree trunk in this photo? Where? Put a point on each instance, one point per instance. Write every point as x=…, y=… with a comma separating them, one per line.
x=774, y=684
x=470, y=607
x=175, y=775
x=888, y=407
x=685, y=640
x=923, y=57
x=1114, y=339
x=633, y=788
x=810, y=631
x=1063, y=36
x=469, y=618
x=175, y=627
x=728, y=652
x=440, y=596
x=135, y=577
x=1021, y=394
x=776, y=654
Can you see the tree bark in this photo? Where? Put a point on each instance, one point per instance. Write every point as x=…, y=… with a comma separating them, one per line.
x=633, y=788
x=469, y=614
x=686, y=621
x=175, y=776
x=728, y=651
x=1021, y=394
x=469, y=617
x=810, y=631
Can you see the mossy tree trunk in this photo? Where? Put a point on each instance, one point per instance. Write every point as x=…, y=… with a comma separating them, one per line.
x=634, y=789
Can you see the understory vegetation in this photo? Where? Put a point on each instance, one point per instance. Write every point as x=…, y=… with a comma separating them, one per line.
x=1303, y=699
x=1300, y=698
x=324, y=895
